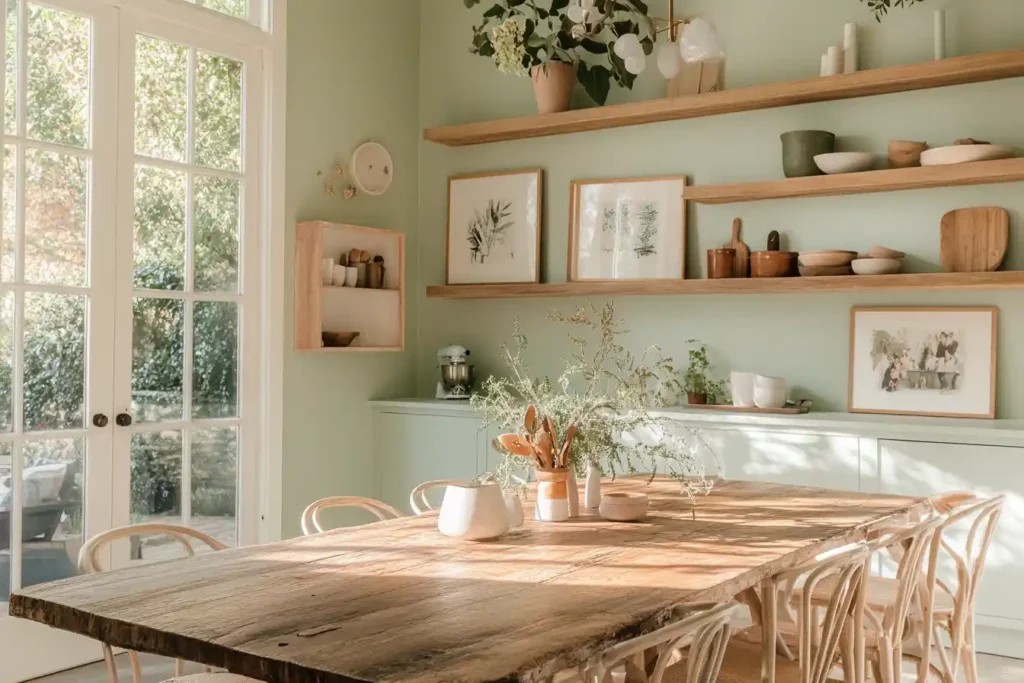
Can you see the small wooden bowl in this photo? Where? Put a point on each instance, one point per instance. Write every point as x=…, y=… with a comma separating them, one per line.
x=337, y=340
x=831, y=257
x=773, y=263
x=624, y=507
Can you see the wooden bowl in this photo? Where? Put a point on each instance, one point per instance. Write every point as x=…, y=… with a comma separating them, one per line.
x=825, y=271
x=877, y=266
x=831, y=257
x=773, y=263
x=905, y=153
x=877, y=251
x=337, y=340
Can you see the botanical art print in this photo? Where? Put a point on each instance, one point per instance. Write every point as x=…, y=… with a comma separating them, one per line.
x=494, y=228
x=923, y=361
x=631, y=229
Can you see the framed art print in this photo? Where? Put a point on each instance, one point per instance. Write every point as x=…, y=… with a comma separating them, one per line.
x=923, y=361
x=627, y=229
x=494, y=228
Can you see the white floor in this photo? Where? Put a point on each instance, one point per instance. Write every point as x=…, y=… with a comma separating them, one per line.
x=155, y=669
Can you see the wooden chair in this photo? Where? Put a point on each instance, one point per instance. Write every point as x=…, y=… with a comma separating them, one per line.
x=418, y=500
x=687, y=651
x=823, y=641
x=88, y=563
x=311, y=515
x=885, y=627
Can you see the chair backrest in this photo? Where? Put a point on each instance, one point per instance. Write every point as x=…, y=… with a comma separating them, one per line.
x=88, y=563
x=418, y=500
x=311, y=515
x=706, y=632
x=821, y=637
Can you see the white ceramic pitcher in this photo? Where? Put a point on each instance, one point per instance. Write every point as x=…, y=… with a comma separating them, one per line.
x=473, y=512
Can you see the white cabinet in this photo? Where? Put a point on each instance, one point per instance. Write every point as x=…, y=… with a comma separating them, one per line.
x=412, y=449
x=925, y=469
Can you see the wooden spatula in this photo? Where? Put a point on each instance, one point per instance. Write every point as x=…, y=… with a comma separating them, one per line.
x=974, y=240
x=741, y=263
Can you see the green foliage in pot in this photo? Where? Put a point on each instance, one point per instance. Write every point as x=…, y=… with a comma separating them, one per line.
x=882, y=7
x=697, y=379
x=521, y=34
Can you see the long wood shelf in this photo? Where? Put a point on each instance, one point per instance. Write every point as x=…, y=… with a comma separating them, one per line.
x=891, y=180
x=991, y=66
x=785, y=285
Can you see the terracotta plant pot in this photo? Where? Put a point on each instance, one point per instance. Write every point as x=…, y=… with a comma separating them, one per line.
x=552, y=494
x=552, y=86
x=696, y=399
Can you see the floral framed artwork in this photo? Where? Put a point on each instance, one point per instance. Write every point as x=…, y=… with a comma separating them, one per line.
x=494, y=223
x=923, y=361
x=627, y=229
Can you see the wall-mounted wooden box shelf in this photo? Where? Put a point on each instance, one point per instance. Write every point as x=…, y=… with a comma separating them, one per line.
x=377, y=314
x=892, y=180
x=991, y=66
x=782, y=285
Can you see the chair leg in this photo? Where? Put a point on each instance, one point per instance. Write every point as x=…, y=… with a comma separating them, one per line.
x=108, y=657
x=136, y=669
x=847, y=655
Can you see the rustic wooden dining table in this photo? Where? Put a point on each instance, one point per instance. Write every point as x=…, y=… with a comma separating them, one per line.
x=397, y=601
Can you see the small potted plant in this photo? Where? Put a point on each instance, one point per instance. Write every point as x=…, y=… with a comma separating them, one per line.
x=700, y=388
x=560, y=42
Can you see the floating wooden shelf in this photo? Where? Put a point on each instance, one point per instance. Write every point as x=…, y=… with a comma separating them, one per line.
x=892, y=180
x=784, y=285
x=377, y=314
x=991, y=66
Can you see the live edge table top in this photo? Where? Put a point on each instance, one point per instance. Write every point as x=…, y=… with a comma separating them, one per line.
x=397, y=601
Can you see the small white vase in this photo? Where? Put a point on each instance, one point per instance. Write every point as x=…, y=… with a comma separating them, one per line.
x=552, y=494
x=515, y=509
x=574, y=494
x=592, y=496
x=473, y=512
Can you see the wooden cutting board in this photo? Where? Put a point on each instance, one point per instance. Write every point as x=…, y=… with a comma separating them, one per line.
x=741, y=262
x=974, y=240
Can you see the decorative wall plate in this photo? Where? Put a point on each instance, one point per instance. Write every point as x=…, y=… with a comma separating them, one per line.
x=372, y=168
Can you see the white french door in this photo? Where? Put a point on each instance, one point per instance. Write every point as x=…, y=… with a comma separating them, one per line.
x=129, y=296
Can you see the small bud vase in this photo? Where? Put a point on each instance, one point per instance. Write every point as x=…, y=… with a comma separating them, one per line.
x=592, y=495
x=574, y=494
x=552, y=494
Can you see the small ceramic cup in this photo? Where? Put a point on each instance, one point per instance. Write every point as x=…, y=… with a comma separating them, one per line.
x=742, y=384
x=769, y=392
x=337, y=275
x=351, y=276
x=327, y=271
x=361, y=272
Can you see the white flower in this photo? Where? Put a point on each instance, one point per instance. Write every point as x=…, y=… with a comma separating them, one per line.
x=509, y=48
x=628, y=45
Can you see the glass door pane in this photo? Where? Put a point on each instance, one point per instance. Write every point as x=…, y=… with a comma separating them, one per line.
x=56, y=307
x=187, y=444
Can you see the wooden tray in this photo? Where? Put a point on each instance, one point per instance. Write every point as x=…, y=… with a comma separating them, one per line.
x=801, y=408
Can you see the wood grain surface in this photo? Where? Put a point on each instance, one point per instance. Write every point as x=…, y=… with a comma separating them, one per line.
x=974, y=240
x=396, y=601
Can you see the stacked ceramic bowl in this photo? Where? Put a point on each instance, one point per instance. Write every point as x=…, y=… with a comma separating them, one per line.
x=879, y=261
x=824, y=263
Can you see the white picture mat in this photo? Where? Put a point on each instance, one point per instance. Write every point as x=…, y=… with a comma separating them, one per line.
x=974, y=394
x=593, y=260
x=468, y=195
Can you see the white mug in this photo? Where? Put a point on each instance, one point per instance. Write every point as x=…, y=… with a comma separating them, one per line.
x=326, y=270
x=351, y=275
x=742, y=384
x=338, y=275
x=769, y=392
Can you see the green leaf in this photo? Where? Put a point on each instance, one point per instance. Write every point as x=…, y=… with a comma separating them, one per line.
x=470, y=4
x=495, y=11
x=596, y=80
x=558, y=5
x=622, y=77
x=591, y=45
x=640, y=5
x=648, y=45
x=515, y=3
x=621, y=28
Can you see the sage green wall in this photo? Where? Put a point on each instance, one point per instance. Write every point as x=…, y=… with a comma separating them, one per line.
x=345, y=86
x=802, y=337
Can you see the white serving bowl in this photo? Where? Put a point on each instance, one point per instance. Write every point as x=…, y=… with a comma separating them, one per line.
x=769, y=398
x=623, y=507
x=877, y=266
x=964, y=154
x=845, y=162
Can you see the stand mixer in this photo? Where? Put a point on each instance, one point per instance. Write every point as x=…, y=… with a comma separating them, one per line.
x=456, y=373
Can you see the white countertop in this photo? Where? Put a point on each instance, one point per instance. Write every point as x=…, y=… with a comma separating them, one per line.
x=851, y=424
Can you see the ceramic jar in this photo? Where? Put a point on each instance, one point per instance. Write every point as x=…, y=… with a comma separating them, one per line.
x=592, y=492
x=624, y=507
x=351, y=276
x=552, y=494
x=552, y=86
x=514, y=506
x=769, y=392
x=799, y=147
x=742, y=384
x=473, y=512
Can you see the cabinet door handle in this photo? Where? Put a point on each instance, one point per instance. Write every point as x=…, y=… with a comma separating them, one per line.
x=123, y=419
x=100, y=420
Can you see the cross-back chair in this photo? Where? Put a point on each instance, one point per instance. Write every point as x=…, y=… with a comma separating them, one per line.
x=311, y=515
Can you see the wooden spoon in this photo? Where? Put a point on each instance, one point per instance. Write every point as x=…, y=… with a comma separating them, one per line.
x=563, y=455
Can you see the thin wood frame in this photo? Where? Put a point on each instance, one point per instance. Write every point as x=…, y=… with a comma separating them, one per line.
x=540, y=222
x=926, y=309
x=574, y=197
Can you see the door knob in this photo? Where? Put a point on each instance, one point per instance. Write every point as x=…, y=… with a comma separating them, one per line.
x=123, y=419
x=100, y=420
